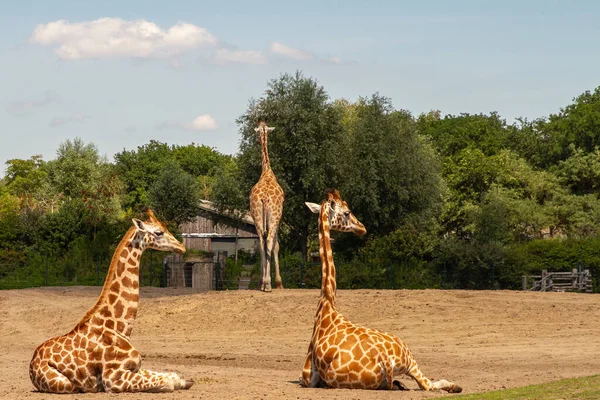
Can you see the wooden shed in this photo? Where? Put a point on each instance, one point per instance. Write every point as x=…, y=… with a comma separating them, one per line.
x=213, y=231
x=216, y=236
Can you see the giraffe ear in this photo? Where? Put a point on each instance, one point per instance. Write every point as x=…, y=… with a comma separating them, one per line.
x=270, y=129
x=314, y=207
x=139, y=224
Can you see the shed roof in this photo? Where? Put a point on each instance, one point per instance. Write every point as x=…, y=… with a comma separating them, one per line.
x=209, y=206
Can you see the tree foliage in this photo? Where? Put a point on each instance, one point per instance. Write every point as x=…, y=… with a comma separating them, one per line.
x=303, y=148
x=464, y=201
x=174, y=195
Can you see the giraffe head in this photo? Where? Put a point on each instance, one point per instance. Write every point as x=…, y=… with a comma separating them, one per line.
x=263, y=130
x=339, y=215
x=153, y=234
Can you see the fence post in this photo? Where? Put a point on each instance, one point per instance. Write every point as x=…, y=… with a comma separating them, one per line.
x=493, y=278
x=524, y=282
x=46, y=275
x=163, y=280
x=444, y=276
x=301, y=283
x=151, y=268
x=217, y=274
x=543, y=281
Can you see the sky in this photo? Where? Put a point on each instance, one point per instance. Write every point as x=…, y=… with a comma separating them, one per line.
x=121, y=73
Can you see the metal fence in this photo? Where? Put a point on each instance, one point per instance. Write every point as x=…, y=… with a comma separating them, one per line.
x=46, y=272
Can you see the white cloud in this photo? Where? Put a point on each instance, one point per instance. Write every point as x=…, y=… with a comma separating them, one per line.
x=335, y=60
x=115, y=37
x=226, y=56
x=202, y=122
x=60, y=121
x=291, y=52
x=24, y=107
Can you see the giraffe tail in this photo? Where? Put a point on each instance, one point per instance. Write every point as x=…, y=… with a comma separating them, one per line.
x=265, y=215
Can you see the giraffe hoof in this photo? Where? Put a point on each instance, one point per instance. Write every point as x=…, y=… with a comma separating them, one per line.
x=399, y=385
x=455, y=389
x=278, y=285
x=188, y=384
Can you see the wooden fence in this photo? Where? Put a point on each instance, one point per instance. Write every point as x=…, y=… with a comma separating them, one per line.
x=573, y=281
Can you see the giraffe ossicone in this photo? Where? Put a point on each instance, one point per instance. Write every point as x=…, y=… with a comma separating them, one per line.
x=266, y=209
x=96, y=355
x=342, y=354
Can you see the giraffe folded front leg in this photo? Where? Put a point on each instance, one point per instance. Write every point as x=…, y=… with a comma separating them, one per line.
x=180, y=384
x=119, y=381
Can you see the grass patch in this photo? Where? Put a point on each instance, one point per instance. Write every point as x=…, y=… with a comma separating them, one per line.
x=575, y=388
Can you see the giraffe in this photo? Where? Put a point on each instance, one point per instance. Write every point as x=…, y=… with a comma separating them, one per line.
x=342, y=354
x=266, y=207
x=97, y=355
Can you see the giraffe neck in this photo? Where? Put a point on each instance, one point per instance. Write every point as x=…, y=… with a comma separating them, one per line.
x=116, y=308
x=266, y=164
x=328, y=283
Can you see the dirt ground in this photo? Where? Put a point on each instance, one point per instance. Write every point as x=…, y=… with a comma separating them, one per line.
x=251, y=345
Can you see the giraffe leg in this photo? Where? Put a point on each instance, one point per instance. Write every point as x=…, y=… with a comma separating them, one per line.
x=263, y=261
x=449, y=387
x=268, y=255
x=387, y=375
x=120, y=380
x=426, y=384
x=415, y=373
x=278, y=281
x=179, y=383
x=48, y=379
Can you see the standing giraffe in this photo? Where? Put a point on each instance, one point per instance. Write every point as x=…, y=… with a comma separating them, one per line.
x=266, y=207
x=342, y=354
x=96, y=355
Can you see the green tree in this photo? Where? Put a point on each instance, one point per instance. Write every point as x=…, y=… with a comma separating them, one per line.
x=228, y=194
x=29, y=180
x=388, y=173
x=453, y=134
x=303, y=148
x=76, y=168
x=581, y=171
x=140, y=169
x=174, y=195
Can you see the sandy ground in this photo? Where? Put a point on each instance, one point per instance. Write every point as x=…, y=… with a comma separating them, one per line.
x=251, y=345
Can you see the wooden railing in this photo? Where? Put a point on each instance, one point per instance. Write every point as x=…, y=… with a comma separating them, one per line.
x=573, y=281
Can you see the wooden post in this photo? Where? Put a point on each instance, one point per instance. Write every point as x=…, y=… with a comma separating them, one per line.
x=575, y=281
x=543, y=281
x=524, y=282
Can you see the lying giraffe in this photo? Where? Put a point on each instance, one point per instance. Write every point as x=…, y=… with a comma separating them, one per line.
x=96, y=355
x=342, y=354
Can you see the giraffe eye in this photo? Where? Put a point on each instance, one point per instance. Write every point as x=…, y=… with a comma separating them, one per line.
x=346, y=213
x=159, y=233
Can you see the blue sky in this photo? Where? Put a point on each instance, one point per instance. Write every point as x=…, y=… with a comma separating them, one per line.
x=119, y=73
